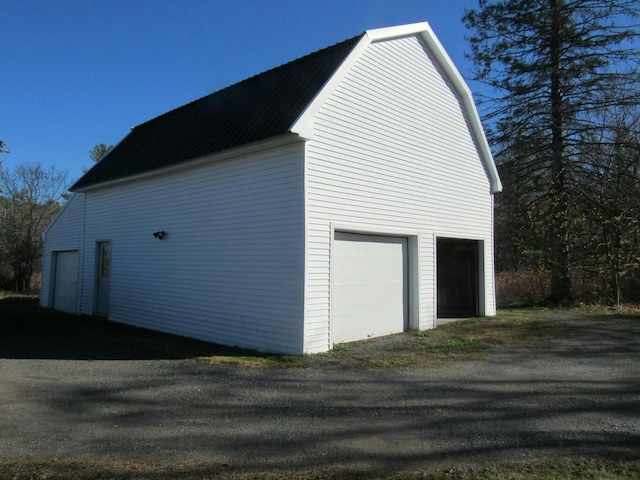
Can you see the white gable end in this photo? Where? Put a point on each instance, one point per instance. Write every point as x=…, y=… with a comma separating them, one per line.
x=392, y=153
x=304, y=125
x=64, y=234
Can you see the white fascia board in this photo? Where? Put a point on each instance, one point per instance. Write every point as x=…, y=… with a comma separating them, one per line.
x=379, y=34
x=447, y=65
x=303, y=126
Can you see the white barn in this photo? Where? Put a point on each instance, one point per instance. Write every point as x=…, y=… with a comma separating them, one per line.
x=345, y=195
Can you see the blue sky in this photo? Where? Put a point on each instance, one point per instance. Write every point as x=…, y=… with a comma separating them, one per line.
x=76, y=73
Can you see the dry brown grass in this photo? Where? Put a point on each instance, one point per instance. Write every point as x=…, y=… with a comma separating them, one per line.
x=524, y=287
x=608, y=467
x=461, y=341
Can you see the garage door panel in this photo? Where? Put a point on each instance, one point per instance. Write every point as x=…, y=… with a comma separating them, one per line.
x=350, y=310
x=355, y=268
x=66, y=281
x=382, y=295
x=369, y=286
x=386, y=292
x=351, y=332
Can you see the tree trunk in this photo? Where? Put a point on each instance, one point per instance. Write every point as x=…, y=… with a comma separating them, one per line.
x=559, y=234
x=21, y=282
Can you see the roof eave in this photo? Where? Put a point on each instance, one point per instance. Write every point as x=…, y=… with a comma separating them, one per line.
x=247, y=149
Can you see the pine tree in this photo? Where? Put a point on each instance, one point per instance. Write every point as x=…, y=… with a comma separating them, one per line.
x=548, y=64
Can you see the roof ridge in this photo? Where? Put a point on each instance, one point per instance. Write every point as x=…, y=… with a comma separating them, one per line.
x=265, y=72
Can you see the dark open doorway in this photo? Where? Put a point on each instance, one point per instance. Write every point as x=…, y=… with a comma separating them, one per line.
x=458, y=285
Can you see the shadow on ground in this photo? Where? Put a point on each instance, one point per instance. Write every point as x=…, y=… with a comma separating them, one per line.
x=28, y=331
x=574, y=396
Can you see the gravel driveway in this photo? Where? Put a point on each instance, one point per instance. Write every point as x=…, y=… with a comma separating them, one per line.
x=577, y=395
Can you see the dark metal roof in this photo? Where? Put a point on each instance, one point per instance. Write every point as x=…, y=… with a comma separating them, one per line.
x=258, y=108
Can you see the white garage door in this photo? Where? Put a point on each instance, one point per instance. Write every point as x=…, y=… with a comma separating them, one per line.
x=65, y=287
x=369, y=286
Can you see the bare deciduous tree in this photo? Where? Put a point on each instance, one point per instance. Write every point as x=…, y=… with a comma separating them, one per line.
x=30, y=196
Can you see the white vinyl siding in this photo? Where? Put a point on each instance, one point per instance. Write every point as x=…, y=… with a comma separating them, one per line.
x=230, y=269
x=247, y=257
x=391, y=151
x=65, y=233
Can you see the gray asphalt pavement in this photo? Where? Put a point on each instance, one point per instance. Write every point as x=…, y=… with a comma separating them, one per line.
x=577, y=395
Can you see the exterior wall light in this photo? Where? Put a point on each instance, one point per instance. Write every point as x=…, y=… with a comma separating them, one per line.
x=160, y=235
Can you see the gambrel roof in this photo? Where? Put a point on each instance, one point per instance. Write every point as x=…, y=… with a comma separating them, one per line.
x=279, y=101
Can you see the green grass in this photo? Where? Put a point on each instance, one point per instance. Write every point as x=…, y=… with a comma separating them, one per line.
x=461, y=341
x=343, y=347
x=69, y=336
x=542, y=468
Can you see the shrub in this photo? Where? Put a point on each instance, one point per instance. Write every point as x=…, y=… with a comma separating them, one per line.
x=523, y=287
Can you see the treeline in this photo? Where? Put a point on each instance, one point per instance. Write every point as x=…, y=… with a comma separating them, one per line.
x=563, y=116
x=30, y=196
x=602, y=215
